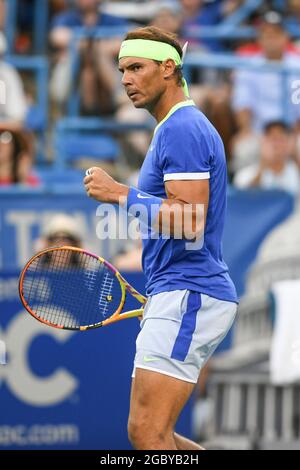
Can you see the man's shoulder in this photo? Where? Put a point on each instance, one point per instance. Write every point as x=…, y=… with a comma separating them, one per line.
x=189, y=124
x=186, y=119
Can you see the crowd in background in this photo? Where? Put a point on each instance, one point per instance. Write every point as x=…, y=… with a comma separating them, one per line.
x=260, y=137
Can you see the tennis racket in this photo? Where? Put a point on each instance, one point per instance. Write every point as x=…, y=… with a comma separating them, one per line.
x=70, y=288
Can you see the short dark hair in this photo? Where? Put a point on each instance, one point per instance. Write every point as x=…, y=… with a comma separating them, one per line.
x=283, y=125
x=152, y=33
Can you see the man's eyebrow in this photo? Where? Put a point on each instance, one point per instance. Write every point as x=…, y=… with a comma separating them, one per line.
x=130, y=66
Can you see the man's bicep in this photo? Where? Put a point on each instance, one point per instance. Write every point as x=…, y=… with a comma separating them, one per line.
x=191, y=192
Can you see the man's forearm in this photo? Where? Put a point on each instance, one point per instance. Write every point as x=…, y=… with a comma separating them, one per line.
x=170, y=217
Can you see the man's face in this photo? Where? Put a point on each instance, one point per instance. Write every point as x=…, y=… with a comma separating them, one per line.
x=143, y=80
x=273, y=40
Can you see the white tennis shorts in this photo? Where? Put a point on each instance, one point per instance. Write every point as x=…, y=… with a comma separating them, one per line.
x=179, y=332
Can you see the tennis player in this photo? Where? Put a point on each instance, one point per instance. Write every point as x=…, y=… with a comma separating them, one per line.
x=192, y=301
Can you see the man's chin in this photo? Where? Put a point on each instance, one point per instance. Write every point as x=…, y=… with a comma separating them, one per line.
x=139, y=104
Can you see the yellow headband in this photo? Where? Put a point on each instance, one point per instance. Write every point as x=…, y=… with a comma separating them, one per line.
x=154, y=50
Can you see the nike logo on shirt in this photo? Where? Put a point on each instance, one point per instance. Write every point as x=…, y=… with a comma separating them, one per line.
x=150, y=359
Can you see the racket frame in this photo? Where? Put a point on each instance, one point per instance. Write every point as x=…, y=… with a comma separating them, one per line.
x=124, y=285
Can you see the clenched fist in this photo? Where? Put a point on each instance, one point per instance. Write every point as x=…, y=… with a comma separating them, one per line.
x=102, y=187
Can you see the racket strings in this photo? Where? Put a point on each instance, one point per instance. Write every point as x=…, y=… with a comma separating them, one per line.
x=55, y=313
x=71, y=289
x=106, y=293
x=43, y=269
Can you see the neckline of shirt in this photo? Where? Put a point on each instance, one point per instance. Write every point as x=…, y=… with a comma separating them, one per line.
x=177, y=106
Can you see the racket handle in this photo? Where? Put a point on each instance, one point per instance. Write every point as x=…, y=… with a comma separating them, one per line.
x=88, y=172
x=131, y=314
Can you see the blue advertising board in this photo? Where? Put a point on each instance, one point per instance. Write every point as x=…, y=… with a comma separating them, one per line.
x=24, y=215
x=65, y=389
x=251, y=215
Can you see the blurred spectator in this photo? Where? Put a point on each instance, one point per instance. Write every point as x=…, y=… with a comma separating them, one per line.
x=97, y=81
x=293, y=13
x=57, y=6
x=276, y=169
x=16, y=144
x=83, y=13
x=129, y=260
x=16, y=157
x=13, y=104
x=26, y=22
x=168, y=18
x=209, y=88
x=60, y=230
x=2, y=14
x=258, y=96
x=197, y=13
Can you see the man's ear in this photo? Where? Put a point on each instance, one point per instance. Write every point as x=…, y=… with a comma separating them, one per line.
x=169, y=66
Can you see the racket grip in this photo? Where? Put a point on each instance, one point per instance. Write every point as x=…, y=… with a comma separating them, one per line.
x=88, y=172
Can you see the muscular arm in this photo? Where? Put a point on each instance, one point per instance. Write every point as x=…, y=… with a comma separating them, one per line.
x=183, y=214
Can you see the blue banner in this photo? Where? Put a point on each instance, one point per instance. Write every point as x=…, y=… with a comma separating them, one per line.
x=251, y=216
x=24, y=215
x=65, y=389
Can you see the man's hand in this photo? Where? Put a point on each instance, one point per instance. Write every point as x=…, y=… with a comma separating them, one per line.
x=102, y=187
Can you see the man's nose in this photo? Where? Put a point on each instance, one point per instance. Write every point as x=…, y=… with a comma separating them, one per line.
x=126, y=79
